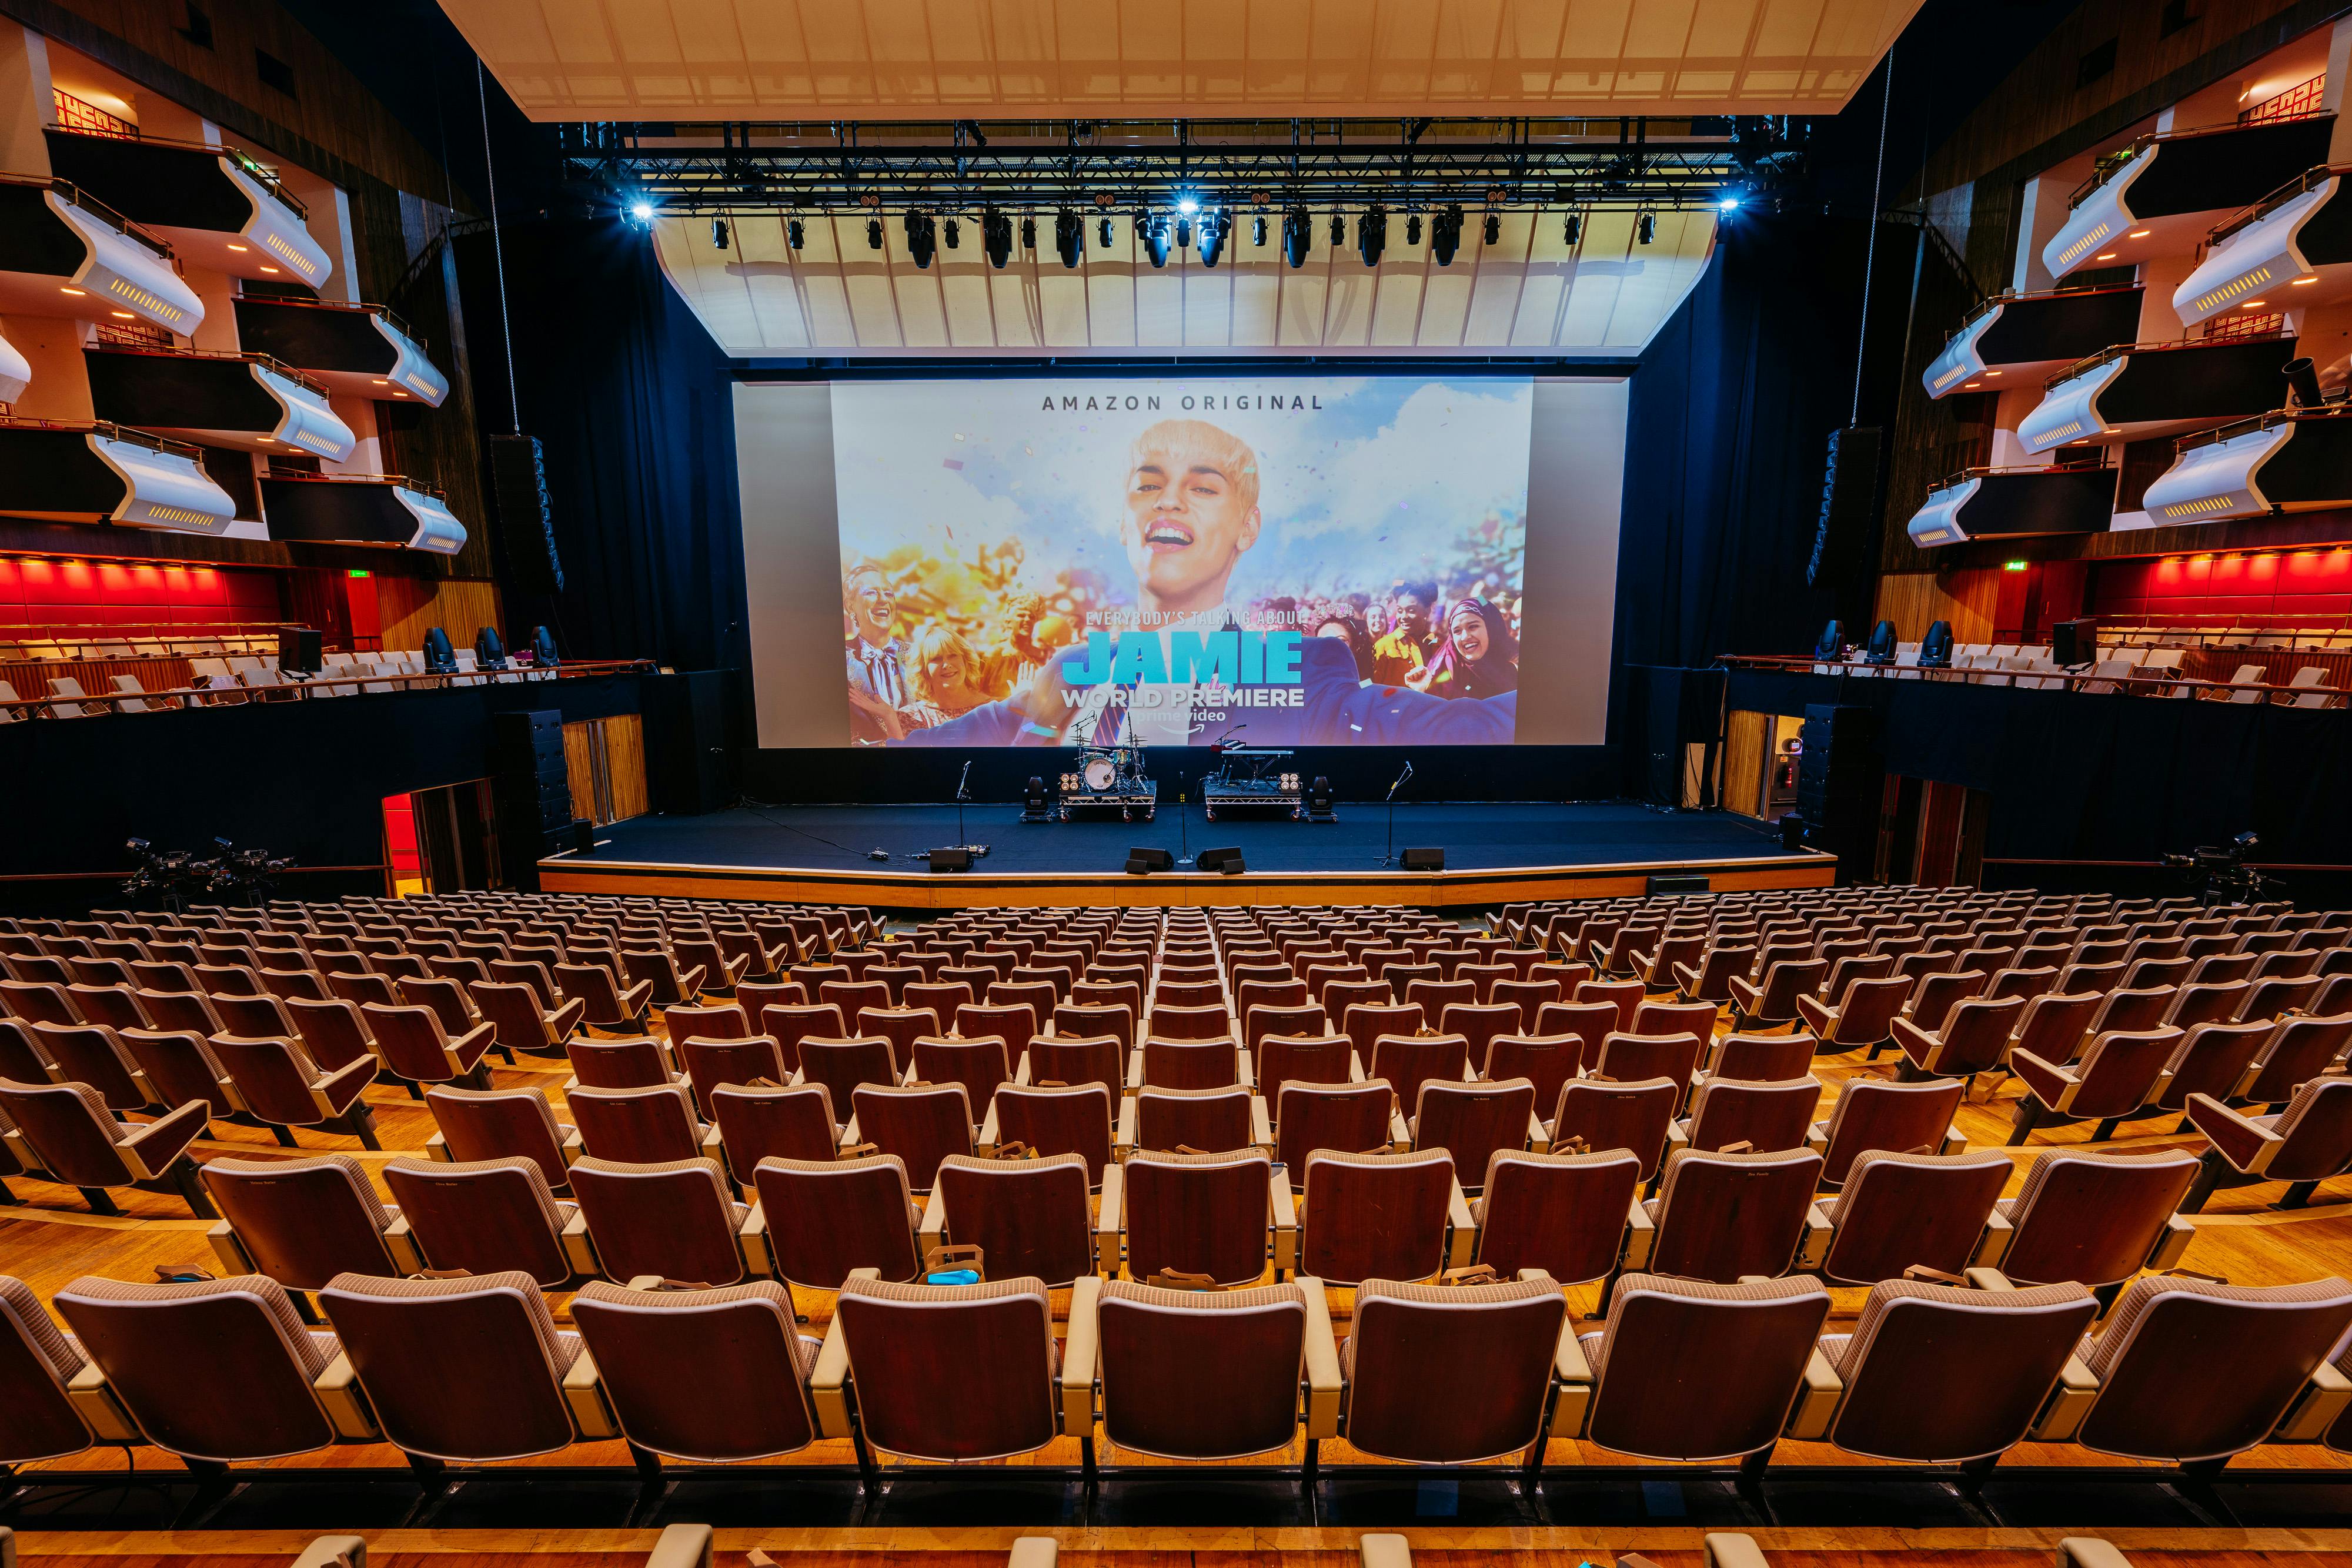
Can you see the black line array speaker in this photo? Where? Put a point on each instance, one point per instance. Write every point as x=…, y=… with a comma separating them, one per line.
x=529, y=791
x=689, y=768
x=526, y=513
x=1842, y=534
x=956, y=858
x=1839, y=777
x=1421, y=860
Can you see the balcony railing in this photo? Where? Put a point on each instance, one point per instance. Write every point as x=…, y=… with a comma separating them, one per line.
x=383, y=311
x=2307, y=180
x=262, y=172
x=2260, y=422
x=2117, y=351
x=75, y=196
x=275, y=366
x=109, y=431
x=2109, y=163
x=1953, y=481
x=405, y=482
x=2013, y=296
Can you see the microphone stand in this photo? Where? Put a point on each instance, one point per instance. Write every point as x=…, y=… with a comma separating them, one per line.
x=962, y=794
x=1390, y=858
x=1183, y=823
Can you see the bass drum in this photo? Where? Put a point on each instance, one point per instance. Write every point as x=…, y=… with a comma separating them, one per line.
x=1100, y=773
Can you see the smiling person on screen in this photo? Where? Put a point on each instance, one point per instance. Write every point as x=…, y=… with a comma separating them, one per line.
x=1192, y=512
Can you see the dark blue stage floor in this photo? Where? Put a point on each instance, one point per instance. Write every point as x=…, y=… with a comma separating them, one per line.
x=1474, y=836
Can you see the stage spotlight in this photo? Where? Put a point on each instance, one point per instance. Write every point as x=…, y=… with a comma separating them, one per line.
x=1102, y=234
x=1413, y=229
x=1028, y=232
x=1571, y=228
x=1339, y=230
x=1445, y=235
x=1257, y=231
x=642, y=211
x=996, y=237
x=1645, y=229
x=954, y=232
x=1184, y=233
x=1154, y=236
x=1372, y=235
x=719, y=233
x=1215, y=227
x=794, y=234
x=1187, y=204
x=923, y=238
x=1069, y=236
x=1297, y=236
x=1494, y=229
x=1319, y=800
x=1727, y=203
x=874, y=234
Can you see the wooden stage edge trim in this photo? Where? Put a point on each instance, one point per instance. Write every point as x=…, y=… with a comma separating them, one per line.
x=1583, y=1540
x=960, y=889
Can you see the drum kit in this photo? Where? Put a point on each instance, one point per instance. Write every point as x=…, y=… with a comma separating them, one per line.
x=1110, y=777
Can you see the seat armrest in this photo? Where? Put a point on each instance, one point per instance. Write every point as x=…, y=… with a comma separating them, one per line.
x=1990, y=1279
x=573, y=1145
x=2047, y=1079
x=1678, y=1137
x=327, y=1551
x=681, y=1546
x=230, y=1250
x=2089, y=1552
x=1108, y=1217
x=1728, y=1549
x=1324, y=1384
x=436, y=1147
x=1816, y=1137
x=1261, y=1124
x=850, y=1136
x=1080, y=1352
x=1815, y=1246
x=338, y=1392
x=1993, y=1247
x=714, y=1147
x=2062, y=1417
x=1399, y=1133
x=1283, y=1215
x=933, y=1231
x=2315, y=1406
x=829, y=1389
x=343, y=1085
x=985, y=1143
x=579, y=1250
x=584, y=1393
x=1640, y=1232
x=753, y=1239
x=476, y=1040
x=1135, y=1067
x=1130, y=1125
x=96, y=1404
x=1461, y=1230
x=2171, y=1242
x=401, y=1243
x=1955, y=1141
x=1355, y=1068
x=1817, y=1401
x=153, y=1147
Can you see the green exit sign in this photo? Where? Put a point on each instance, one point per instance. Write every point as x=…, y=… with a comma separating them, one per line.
x=357, y=573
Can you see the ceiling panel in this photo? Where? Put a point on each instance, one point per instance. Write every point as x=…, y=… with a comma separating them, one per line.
x=879, y=59
x=1530, y=292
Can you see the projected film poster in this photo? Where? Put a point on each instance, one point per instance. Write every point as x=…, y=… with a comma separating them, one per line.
x=1291, y=562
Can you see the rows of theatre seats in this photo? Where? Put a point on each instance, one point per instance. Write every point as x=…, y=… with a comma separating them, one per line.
x=779, y=1132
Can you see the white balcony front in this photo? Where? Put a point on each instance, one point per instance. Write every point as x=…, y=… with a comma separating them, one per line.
x=2216, y=480
x=62, y=254
x=2160, y=196
x=2293, y=251
x=16, y=372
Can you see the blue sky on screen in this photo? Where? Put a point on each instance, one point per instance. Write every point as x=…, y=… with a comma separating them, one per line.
x=1372, y=486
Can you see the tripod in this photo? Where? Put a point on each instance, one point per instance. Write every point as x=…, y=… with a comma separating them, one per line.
x=1183, y=823
x=963, y=793
x=1390, y=857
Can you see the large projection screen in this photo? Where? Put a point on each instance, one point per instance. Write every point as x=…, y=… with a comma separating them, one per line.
x=1320, y=561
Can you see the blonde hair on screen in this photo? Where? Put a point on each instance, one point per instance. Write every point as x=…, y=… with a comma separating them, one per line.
x=1227, y=453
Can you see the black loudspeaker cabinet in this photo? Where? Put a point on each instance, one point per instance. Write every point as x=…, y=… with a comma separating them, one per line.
x=1226, y=861
x=2074, y=643
x=1143, y=859
x=1843, y=533
x=957, y=858
x=1421, y=860
x=526, y=513
x=1840, y=775
x=689, y=769
x=529, y=791
x=298, y=649
x=1680, y=882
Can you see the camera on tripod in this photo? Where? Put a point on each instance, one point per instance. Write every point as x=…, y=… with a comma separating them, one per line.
x=2217, y=873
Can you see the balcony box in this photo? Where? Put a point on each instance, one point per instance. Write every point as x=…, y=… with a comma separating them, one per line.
x=2014, y=503
x=2134, y=391
x=2160, y=195
x=16, y=372
x=383, y=509
x=64, y=252
x=99, y=472
x=2292, y=249
x=248, y=401
x=222, y=209
x=2291, y=460
x=359, y=351
x=2019, y=335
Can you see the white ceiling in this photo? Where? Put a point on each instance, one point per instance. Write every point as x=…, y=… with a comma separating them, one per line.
x=1528, y=293
x=881, y=59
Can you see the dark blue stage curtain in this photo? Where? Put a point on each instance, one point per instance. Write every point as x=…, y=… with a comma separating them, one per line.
x=1731, y=411
x=631, y=400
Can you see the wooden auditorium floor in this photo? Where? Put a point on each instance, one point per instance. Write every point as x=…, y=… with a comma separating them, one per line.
x=51, y=1239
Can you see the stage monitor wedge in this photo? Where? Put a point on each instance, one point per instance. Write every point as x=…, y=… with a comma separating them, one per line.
x=1141, y=862
x=1224, y=861
x=1421, y=860
x=955, y=859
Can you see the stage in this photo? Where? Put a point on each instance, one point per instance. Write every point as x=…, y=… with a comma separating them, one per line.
x=1494, y=853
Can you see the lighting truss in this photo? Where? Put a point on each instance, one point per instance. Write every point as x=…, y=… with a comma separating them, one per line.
x=1247, y=165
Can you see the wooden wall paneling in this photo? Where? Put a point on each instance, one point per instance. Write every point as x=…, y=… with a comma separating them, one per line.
x=1914, y=601
x=1747, y=736
x=459, y=606
x=580, y=770
x=1937, y=846
x=625, y=762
